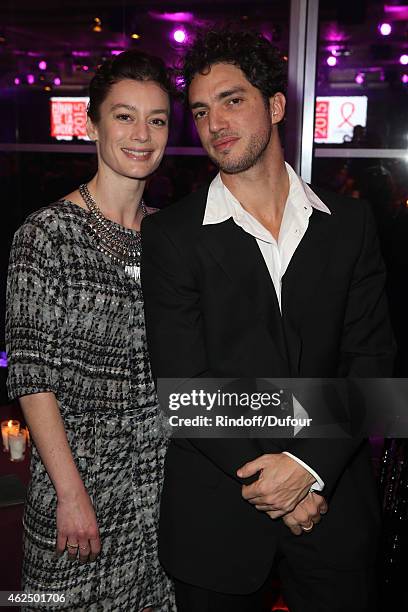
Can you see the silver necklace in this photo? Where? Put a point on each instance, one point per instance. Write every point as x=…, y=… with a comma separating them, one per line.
x=121, y=246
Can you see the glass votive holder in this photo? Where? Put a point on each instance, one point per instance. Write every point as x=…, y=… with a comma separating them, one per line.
x=6, y=428
x=4, y=435
x=17, y=444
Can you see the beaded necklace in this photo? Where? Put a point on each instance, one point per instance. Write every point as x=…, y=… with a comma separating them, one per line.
x=122, y=246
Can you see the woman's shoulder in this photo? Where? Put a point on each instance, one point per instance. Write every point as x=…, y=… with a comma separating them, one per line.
x=54, y=217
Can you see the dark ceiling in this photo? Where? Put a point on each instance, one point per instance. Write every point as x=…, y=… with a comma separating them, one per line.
x=62, y=32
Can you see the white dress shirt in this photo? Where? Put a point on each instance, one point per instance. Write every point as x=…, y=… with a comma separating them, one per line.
x=222, y=205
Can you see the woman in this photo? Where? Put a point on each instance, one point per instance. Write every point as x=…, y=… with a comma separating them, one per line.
x=79, y=364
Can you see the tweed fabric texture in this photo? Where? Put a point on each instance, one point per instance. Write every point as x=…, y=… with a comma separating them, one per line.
x=75, y=326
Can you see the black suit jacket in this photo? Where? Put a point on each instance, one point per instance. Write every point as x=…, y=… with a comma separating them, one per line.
x=211, y=310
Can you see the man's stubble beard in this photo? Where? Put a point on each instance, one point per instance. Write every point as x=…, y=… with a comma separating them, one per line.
x=253, y=153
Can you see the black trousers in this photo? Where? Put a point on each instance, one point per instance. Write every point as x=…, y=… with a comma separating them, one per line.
x=191, y=598
x=307, y=587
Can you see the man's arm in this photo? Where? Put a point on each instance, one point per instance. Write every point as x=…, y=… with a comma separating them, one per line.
x=175, y=333
x=367, y=350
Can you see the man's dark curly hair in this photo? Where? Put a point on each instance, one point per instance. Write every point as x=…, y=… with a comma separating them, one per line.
x=260, y=61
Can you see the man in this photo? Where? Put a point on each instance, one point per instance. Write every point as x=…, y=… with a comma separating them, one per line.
x=258, y=275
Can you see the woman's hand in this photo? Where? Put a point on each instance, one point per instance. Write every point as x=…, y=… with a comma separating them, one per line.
x=77, y=528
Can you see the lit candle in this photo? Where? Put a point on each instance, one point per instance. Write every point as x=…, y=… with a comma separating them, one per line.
x=4, y=435
x=17, y=444
x=6, y=428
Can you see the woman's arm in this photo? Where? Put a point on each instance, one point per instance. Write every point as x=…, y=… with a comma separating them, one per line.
x=76, y=520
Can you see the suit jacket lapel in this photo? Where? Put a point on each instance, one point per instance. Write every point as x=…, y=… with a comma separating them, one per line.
x=238, y=254
x=300, y=283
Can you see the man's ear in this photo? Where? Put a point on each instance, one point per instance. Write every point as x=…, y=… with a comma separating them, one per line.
x=91, y=129
x=277, y=105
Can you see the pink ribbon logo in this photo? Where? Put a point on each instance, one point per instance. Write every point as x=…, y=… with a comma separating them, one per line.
x=351, y=109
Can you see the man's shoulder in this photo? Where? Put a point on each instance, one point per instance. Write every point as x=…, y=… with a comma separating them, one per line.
x=343, y=209
x=185, y=213
x=338, y=202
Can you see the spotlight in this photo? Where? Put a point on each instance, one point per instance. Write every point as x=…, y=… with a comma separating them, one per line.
x=42, y=65
x=85, y=68
x=331, y=61
x=404, y=79
x=403, y=59
x=97, y=25
x=17, y=81
x=360, y=78
x=180, y=35
x=57, y=81
x=30, y=79
x=135, y=36
x=116, y=51
x=385, y=29
x=47, y=88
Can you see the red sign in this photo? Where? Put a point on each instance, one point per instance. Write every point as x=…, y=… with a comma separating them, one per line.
x=68, y=118
x=322, y=119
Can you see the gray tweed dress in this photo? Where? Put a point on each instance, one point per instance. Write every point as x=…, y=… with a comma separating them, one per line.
x=75, y=327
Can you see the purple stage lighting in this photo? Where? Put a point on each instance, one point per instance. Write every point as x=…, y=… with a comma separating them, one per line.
x=331, y=61
x=180, y=35
x=385, y=29
x=180, y=17
x=57, y=81
x=30, y=79
x=42, y=65
x=404, y=59
x=85, y=68
x=359, y=78
x=180, y=82
x=17, y=81
x=404, y=79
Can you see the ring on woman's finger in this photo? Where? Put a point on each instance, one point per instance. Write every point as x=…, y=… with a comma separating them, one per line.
x=84, y=548
x=72, y=545
x=308, y=527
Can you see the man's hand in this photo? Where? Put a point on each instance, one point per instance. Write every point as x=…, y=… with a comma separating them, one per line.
x=306, y=515
x=281, y=485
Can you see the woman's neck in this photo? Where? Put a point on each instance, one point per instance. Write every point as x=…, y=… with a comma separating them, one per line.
x=118, y=198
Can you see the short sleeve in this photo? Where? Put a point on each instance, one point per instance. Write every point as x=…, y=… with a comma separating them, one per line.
x=34, y=313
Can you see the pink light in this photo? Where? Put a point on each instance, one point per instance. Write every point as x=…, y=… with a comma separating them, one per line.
x=404, y=59
x=180, y=36
x=180, y=82
x=116, y=51
x=331, y=61
x=30, y=79
x=385, y=29
x=404, y=79
x=42, y=65
x=359, y=78
x=57, y=81
x=85, y=68
x=397, y=12
x=81, y=53
x=181, y=17
x=17, y=81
